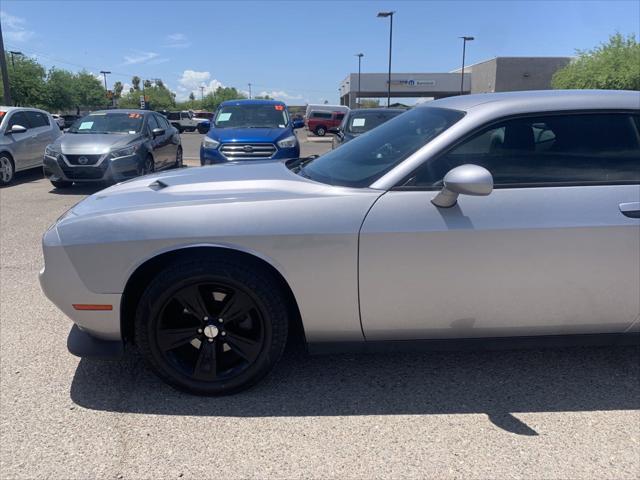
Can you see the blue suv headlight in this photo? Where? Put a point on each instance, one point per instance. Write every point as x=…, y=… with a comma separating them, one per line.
x=208, y=142
x=288, y=142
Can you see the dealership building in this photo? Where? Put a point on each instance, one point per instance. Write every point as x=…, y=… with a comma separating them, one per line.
x=500, y=74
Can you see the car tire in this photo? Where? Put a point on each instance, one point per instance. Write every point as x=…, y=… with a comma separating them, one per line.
x=7, y=169
x=61, y=183
x=202, y=353
x=179, y=160
x=148, y=167
x=320, y=131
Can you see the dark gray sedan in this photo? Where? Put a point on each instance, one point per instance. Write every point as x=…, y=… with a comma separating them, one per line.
x=111, y=146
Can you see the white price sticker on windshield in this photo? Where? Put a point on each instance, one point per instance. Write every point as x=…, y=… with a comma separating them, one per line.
x=85, y=126
x=224, y=117
x=358, y=122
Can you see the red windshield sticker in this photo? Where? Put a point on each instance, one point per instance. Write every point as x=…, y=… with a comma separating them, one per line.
x=2, y=114
x=135, y=115
x=279, y=107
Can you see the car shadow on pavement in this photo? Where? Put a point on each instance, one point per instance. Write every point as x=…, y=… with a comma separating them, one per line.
x=498, y=384
x=26, y=176
x=82, y=189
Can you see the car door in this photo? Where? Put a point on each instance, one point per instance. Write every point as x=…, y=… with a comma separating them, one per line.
x=24, y=148
x=157, y=143
x=173, y=138
x=554, y=249
x=42, y=133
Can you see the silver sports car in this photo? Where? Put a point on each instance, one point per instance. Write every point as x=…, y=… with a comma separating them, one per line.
x=490, y=219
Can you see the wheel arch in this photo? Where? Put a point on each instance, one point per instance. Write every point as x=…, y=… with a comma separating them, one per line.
x=144, y=272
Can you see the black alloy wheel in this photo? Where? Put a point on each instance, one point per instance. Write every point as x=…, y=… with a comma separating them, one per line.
x=210, y=328
x=321, y=131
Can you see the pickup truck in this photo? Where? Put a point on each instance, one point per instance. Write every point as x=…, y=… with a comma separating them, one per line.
x=184, y=121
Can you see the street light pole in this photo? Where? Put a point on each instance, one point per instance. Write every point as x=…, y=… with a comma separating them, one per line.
x=390, y=15
x=202, y=93
x=105, y=73
x=359, y=55
x=12, y=53
x=249, y=84
x=464, y=45
x=5, y=74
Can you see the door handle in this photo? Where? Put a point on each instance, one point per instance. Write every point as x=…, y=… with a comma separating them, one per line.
x=631, y=209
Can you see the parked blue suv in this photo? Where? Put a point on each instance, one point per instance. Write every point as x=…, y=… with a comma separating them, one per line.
x=250, y=130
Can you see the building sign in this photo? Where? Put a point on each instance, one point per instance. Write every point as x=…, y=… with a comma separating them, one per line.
x=410, y=82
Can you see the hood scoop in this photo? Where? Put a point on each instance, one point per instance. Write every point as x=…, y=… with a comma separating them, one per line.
x=158, y=185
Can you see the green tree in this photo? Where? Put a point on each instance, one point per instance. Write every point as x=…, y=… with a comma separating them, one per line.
x=158, y=97
x=222, y=94
x=27, y=82
x=369, y=103
x=89, y=90
x=192, y=97
x=263, y=97
x=135, y=82
x=60, y=91
x=613, y=65
x=117, y=89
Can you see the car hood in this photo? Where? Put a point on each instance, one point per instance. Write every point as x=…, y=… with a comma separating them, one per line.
x=92, y=143
x=248, y=135
x=217, y=184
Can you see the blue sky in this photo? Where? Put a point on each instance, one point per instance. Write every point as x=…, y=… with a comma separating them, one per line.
x=297, y=51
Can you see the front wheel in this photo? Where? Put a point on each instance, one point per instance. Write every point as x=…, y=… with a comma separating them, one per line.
x=211, y=327
x=7, y=171
x=321, y=131
x=148, y=167
x=178, y=163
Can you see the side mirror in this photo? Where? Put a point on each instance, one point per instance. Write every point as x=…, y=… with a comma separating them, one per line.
x=466, y=180
x=16, y=129
x=298, y=124
x=157, y=132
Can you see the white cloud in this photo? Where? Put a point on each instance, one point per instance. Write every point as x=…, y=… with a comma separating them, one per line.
x=280, y=95
x=139, y=57
x=177, y=40
x=192, y=80
x=14, y=28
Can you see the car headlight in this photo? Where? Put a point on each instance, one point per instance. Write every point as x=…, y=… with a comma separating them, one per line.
x=208, y=142
x=125, y=152
x=51, y=152
x=288, y=142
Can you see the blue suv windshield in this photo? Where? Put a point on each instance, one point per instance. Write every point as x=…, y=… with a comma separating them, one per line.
x=251, y=116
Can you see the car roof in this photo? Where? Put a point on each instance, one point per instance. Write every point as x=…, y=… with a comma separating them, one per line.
x=252, y=102
x=377, y=110
x=7, y=109
x=541, y=100
x=124, y=110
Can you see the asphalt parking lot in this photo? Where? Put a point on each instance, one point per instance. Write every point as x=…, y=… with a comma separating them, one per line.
x=563, y=413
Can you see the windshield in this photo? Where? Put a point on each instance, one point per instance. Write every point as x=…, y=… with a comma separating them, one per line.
x=252, y=116
x=360, y=122
x=362, y=161
x=120, y=122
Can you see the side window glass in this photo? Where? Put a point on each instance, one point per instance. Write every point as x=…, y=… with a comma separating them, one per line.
x=19, y=118
x=557, y=149
x=152, y=122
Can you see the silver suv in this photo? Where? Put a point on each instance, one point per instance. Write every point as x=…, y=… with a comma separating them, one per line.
x=24, y=134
